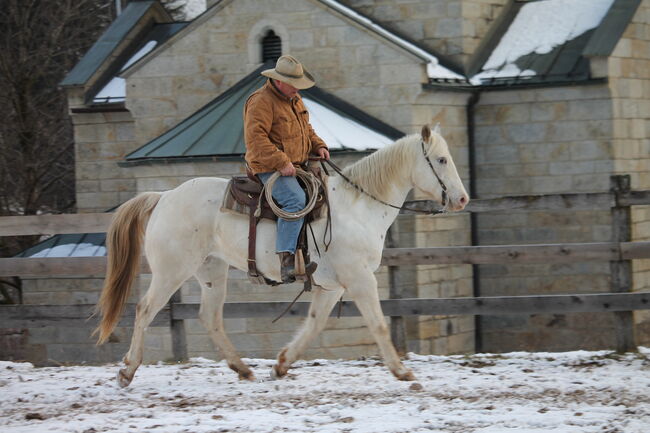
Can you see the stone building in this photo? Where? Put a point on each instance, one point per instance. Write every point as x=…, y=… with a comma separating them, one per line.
x=533, y=96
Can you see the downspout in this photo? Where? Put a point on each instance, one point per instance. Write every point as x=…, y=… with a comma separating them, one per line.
x=471, y=150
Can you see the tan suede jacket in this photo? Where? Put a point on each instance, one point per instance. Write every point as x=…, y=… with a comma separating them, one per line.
x=277, y=130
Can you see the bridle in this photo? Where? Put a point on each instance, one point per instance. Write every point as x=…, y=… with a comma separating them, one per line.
x=403, y=207
x=435, y=173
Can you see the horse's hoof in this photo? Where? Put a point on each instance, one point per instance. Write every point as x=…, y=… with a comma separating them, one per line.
x=123, y=379
x=408, y=376
x=247, y=376
x=276, y=373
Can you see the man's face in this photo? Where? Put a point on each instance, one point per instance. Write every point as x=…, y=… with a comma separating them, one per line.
x=287, y=89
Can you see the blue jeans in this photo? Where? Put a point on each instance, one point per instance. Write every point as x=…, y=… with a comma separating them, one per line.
x=290, y=196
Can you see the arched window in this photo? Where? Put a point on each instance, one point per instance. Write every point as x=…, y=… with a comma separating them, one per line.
x=271, y=47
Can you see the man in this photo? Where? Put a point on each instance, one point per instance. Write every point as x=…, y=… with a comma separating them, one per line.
x=278, y=138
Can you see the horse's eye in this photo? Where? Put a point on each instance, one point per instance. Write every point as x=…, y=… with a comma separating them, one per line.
x=442, y=160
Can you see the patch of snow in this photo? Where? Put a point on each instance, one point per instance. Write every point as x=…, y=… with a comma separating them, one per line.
x=340, y=132
x=508, y=71
x=538, y=28
x=115, y=90
x=72, y=250
x=194, y=8
x=574, y=392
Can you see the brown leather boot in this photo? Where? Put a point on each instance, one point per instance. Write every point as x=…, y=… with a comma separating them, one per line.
x=287, y=267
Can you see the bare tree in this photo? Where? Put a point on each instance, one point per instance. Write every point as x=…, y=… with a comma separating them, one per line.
x=40, y=41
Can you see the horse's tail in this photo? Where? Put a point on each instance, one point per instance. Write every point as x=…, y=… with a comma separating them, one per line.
x=124, y=245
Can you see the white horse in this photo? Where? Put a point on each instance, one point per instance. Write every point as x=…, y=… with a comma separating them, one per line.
x=186, y=234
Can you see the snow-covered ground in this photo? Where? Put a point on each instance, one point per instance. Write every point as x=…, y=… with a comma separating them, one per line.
x=576, y=392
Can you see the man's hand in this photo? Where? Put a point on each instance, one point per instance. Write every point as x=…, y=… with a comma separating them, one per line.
x=324, y=153
x=288, y=170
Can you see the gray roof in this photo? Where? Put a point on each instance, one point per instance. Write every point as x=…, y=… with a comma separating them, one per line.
x=108, y=42
x=217, y=128
x=568, y=62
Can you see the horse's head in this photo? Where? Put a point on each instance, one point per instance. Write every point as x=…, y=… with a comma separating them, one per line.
x=434, y=173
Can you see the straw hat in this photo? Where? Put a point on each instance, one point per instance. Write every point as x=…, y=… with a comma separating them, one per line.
x=290, y=71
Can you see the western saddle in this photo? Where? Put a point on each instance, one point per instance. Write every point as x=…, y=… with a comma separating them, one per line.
x=244, y=194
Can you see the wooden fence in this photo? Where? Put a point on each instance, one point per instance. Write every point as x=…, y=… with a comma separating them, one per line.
x=619, y=253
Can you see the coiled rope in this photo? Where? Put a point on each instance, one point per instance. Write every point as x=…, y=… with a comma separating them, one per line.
x=312, y=184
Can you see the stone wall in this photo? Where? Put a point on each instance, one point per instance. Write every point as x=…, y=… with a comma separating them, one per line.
x=538, y=141
x=446, y=334
x=222, y=46
x=629, y=77
x=101, y=141
x=55, y=345
x=451, y=27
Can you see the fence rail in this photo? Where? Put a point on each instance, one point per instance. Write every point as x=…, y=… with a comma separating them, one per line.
x=618, y=253
x=510, y=254
x=98, y=222
x=19, y=316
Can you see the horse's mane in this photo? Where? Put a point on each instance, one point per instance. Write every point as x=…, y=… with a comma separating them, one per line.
x=378, y=172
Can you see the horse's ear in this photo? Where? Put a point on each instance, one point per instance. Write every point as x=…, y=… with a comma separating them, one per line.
x=436, y=128
x=426, y=133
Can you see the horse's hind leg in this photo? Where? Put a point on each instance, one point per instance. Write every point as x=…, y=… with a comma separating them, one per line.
x=158, y=294
x=321, y=305
x=213, y=277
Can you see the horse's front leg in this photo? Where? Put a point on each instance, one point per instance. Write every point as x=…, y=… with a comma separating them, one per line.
x=321, y=305
x=364, y=293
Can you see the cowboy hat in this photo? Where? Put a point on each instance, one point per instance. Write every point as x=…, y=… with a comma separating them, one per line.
x=289, y=70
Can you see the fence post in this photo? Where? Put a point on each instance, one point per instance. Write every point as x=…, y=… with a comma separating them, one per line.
x=397, y=323
x=621, y=270
x=179, y=341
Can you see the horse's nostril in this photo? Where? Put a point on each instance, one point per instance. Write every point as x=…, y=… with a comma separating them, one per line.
x=463, y=200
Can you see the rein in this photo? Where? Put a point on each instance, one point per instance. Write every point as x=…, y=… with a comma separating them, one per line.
x=403, y=207
x=338, y=170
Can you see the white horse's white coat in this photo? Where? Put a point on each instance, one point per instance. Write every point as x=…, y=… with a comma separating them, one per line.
x=188, y=235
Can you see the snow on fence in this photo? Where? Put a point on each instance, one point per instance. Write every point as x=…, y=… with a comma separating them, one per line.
x=619, y=253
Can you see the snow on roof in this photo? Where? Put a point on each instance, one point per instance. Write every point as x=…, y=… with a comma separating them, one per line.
x=538, y=28
x=193, y=8
x=72, y=250
x=434, y=69
x=340, y=132
x=115, y=90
